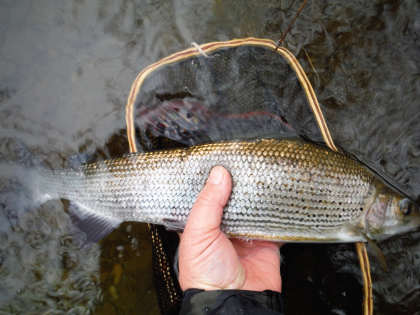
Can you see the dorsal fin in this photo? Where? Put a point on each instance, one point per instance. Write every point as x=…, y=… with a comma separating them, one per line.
x=387, y=180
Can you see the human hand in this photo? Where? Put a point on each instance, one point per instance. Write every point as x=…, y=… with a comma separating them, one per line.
x=209, y=260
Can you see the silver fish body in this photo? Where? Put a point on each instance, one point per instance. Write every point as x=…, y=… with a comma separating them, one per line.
x=282, y=190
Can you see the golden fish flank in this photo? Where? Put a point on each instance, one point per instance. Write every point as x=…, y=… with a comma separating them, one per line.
x=283, y=190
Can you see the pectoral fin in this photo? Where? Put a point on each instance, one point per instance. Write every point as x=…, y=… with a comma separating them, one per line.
x=173, y=225
x=377, y=251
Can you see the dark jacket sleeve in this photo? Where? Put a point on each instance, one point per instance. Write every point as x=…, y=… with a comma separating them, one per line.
x=232, y=302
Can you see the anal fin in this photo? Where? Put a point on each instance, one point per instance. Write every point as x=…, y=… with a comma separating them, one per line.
x=95, y=226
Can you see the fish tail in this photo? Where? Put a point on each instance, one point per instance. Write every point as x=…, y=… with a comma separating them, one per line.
x=36, y=184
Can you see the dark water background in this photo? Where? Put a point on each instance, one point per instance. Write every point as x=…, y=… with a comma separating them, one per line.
x=65, y=72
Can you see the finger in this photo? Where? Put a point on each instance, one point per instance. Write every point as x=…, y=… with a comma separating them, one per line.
x=206, y=214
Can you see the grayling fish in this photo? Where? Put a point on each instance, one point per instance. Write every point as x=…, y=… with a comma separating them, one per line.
x=282, y=190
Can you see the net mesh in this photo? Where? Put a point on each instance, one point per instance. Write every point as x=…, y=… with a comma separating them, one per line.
x=163, y=251
x=238, y=92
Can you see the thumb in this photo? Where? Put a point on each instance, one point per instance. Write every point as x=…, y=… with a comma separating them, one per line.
x=206, y=214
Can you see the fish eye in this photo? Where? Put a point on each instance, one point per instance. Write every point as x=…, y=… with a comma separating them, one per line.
x=406, y=206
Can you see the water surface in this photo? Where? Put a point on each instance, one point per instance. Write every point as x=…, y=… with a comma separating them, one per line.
x=65, y=73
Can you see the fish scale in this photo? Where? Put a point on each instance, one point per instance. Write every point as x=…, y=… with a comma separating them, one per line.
x=282, y=189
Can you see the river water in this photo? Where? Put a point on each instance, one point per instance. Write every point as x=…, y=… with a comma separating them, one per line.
x=65, y=73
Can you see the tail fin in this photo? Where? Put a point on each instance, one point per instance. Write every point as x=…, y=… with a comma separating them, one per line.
x=38, y=184
x=28, y=187
x=19, y=194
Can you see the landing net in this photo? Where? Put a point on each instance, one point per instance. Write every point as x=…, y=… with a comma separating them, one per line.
x=235, y=90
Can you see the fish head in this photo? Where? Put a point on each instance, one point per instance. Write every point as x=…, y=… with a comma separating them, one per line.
x=391, y=214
